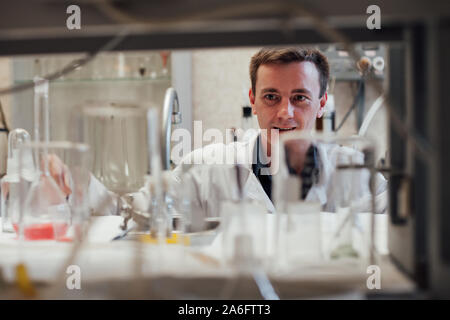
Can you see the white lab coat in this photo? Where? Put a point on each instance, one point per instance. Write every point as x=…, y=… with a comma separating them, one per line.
x=211, y=183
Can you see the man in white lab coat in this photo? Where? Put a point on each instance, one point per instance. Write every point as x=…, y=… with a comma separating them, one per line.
x=288, y=93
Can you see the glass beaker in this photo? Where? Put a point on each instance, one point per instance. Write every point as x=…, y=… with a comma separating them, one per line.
x=56, y=200
x=244, y=236
x=335, y=172
x=196, y=217
x=355, y=185
x=298, y=204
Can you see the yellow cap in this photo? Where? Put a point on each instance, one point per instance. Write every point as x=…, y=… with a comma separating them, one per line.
x=23, y=281
x=175, y=238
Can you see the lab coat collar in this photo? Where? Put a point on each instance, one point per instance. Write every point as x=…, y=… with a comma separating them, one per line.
x=246, y=157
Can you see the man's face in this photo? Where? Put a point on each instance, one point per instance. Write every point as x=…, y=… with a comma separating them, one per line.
x=287, y=97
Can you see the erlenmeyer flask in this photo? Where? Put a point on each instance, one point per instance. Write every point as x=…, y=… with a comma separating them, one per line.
x=45, y=211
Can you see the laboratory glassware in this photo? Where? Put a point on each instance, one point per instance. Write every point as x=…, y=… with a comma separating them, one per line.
x=160, y=202
x=341, y=184
x=57, y=198
x=244, y=233
x=355, y=183
x=10, y=182
x=171, y=115
x=76, y=158
x=42, y=202
x=298, y=226
x=164, y=59
x=116, y=132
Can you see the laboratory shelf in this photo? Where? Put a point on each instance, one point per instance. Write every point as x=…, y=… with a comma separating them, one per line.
x=104, y=80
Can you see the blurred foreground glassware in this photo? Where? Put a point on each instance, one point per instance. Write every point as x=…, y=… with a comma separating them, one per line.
x=55, y=205
x=244, y=226
x=11, y=181
x=321, y=172
x=117, y=134
x=298, y=231
x=353, y=194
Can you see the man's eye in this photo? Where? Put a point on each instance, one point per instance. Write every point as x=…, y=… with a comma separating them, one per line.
x=299, y=98
x=271, y=97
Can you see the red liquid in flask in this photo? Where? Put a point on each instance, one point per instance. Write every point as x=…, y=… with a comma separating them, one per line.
x=44, y=231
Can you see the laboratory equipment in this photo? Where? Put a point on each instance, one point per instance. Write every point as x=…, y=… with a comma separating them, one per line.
x=41, y=110
x=188, y=207
x=171, y=115
x=247, y=126
x=356, y=192
x=417, y=57
x=117, y=132
x=154, y=207
x=10, y=182
x=320, y=172
x=247, y=120
x=44, y=213
x=244, y=233
x=342, y=66
x=76, y=157
x=164, y=57
x=57, y=198
x=298, y=228
x=329, y=115
x=160, y=215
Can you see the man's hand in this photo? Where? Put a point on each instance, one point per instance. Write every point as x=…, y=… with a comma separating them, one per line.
x=5, y=189
x=60, y=173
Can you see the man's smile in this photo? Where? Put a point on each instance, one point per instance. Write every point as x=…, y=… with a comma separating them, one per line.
x=282, y=129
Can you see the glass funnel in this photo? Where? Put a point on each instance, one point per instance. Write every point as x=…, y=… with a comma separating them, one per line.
x=117, y=134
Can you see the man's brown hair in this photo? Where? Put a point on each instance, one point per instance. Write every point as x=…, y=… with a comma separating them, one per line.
x=288, y=55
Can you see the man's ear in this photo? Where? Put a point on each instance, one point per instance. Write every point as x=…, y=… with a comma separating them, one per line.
x=251, y=97
x=323, y=102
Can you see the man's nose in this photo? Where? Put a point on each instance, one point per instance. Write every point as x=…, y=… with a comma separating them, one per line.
x=286, y=110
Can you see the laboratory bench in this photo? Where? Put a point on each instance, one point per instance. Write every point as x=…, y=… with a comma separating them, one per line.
x=109, y=269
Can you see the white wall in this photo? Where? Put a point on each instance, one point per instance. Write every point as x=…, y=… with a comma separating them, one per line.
x=219, y=79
